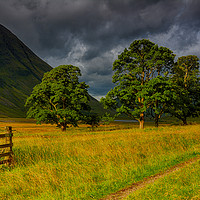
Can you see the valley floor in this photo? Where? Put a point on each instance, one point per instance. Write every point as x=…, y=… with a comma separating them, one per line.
x=82, y=163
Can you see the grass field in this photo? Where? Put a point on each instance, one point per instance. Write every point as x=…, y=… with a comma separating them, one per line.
x=86, y=164
x=184, y=184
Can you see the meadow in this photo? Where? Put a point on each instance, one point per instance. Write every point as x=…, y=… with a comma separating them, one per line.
x=184, y=184
x=82, y=163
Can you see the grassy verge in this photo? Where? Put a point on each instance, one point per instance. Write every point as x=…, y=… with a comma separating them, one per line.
x=184, y=184
x=82, y=164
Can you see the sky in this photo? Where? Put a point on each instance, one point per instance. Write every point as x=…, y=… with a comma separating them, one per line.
x=90, y=34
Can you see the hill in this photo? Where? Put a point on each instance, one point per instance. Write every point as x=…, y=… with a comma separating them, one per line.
x=20, y=71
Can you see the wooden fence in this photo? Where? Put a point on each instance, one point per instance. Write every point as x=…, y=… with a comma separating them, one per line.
x=6, y=149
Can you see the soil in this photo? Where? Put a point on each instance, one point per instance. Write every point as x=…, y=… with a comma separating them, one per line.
x=149, y=180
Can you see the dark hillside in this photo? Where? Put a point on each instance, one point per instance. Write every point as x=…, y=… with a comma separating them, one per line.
x=20, y=71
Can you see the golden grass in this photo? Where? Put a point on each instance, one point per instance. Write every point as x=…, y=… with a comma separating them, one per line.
x=183, y=184
x=86, y=164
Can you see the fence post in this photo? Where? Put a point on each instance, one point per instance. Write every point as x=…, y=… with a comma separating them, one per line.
x=9, y=131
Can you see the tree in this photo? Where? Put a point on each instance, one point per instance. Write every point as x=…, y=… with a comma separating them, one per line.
x=187, y=86
x=159, y=95
x=107, y=118
x=134, y=68
x=92, y=119
x=59, y=98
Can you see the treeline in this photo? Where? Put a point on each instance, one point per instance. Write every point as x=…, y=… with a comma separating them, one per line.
x=148, y=82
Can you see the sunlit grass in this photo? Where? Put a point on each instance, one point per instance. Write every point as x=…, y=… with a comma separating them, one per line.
x=184, y=184
x=86, y=164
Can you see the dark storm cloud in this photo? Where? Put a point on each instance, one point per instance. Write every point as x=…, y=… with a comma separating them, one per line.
x=91, y=33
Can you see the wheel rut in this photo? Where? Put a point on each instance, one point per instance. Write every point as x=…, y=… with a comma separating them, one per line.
x=121, y=194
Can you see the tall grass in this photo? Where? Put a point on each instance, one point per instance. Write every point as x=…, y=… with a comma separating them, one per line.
x=82, y=164
x=184, y=184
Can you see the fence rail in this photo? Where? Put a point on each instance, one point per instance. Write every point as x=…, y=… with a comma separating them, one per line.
x=9, y=144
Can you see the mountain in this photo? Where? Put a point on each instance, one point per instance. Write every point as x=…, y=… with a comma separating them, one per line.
x=20, y=71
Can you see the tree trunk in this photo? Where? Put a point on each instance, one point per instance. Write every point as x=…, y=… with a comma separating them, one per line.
x=156, y=120
x=141, y=121
x=185, y=78
x=156, y=115
x=184, y=121
x=63, y=126
x=141, y=124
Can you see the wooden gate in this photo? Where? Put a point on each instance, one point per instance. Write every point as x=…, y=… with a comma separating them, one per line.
x=6, y=152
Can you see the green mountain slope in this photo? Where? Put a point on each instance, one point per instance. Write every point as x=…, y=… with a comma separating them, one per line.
x=96, y=107
x=20, y=71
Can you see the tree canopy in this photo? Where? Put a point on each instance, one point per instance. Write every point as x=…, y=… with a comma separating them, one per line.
x=134, y=68
x=159, y=95
x=60, y=98
x=187, y=86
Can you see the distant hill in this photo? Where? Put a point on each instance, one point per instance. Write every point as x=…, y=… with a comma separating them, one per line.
x=20, y=71
x=97, y=107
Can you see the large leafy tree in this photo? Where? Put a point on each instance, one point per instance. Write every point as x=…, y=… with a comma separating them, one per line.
x=134, y=68
x=60, y=98
x=159, y=95
x=187, y=83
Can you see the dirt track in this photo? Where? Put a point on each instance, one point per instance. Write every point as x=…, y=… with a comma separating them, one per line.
x=125, y=192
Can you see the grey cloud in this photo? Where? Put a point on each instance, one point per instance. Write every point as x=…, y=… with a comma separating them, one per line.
x=99, y=84
x=90, y=34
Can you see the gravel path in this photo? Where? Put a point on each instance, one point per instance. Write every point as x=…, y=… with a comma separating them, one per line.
x=138, y=185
